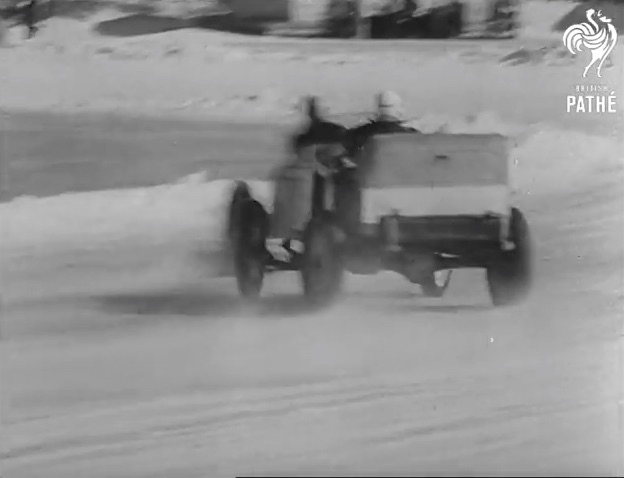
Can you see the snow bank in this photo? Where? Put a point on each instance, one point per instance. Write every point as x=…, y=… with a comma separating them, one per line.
x=191, y=212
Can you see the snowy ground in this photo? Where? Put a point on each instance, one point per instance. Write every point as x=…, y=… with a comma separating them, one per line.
x=122, y=357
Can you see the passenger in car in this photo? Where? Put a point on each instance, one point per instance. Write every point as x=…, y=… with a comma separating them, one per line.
x=389, y=118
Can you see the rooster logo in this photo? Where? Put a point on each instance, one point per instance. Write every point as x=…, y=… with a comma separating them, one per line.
x=599, y=39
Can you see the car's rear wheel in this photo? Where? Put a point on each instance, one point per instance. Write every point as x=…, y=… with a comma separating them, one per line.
x=436, y=284
x=510, y=275
x=322, y=265
x=248, y=231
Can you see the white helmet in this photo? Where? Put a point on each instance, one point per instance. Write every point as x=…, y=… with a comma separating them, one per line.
x=389, y=106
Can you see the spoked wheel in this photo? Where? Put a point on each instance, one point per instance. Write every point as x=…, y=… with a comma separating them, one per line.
x=322, y=267
x=510, y=276
x=248, y=231
x=436, y=284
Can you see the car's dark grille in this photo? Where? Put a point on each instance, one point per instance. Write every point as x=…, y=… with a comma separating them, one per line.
x=448, y=228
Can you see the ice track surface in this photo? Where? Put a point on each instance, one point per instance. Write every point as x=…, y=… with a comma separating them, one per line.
x=122, y=357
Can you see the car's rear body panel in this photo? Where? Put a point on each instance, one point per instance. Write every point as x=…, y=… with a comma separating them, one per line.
x=426, y=201
x=439, y=159
x=436, y=175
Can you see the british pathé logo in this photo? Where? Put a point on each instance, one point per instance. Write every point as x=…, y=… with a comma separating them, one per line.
x=591, y=99
x=598, y=35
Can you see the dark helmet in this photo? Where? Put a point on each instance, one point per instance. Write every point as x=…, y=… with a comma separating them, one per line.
x=311, y=107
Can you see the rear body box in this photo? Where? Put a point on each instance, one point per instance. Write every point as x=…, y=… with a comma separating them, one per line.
x=435, y=175
x=449, y=193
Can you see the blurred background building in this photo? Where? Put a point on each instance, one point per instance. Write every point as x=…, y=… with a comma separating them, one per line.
x=386, y=18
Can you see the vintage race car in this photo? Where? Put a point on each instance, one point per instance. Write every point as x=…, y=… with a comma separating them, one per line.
x=417, y=204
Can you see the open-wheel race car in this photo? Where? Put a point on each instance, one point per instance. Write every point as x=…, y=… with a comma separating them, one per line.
x=417, y=204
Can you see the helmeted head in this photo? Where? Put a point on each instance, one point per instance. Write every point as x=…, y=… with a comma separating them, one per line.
x=389, y=106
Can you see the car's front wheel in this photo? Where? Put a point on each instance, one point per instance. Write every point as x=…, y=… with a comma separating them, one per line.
x=322, y=265
x=248, y=230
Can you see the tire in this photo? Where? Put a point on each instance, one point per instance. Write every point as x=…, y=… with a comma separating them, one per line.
x=322, y=266
x=510, y=276
x=240, y=195
x=437, y=283
x=247, y=233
